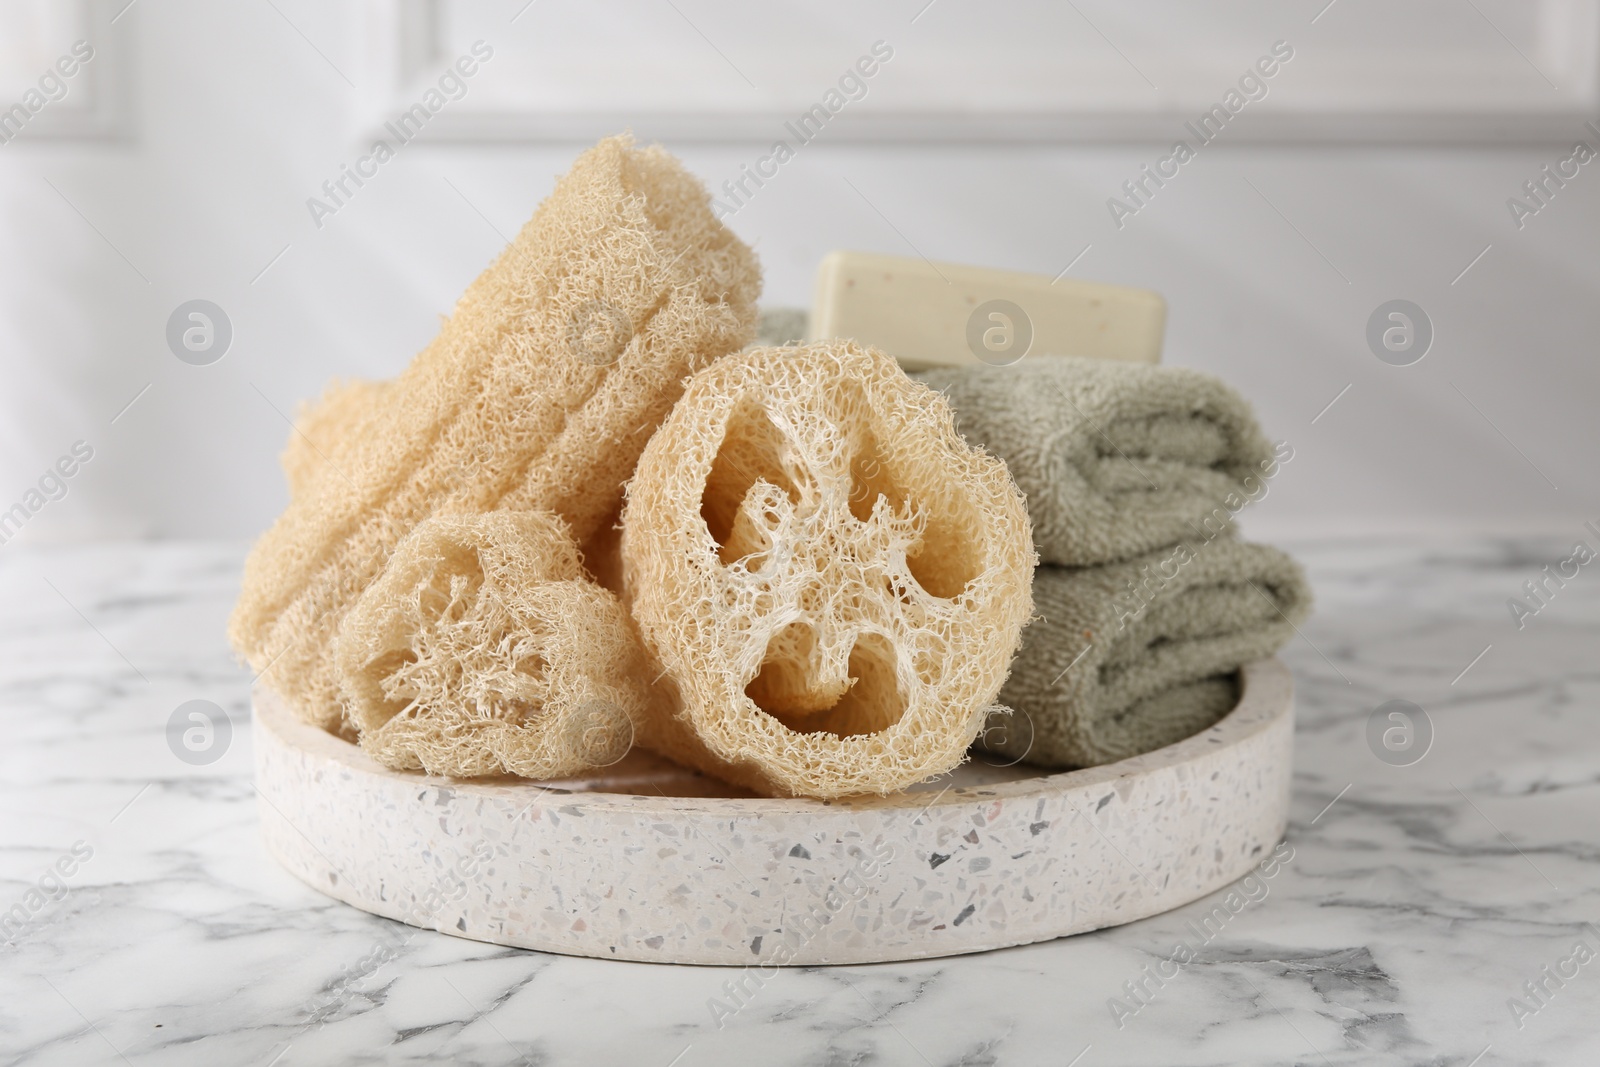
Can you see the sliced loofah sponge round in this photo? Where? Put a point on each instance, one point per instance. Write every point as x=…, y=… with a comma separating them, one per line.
x=539, y=393
x=833, y=581
x=481, y=650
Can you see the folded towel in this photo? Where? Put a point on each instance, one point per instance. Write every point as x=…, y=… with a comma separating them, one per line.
x=1132, y=656
x=1115, y=458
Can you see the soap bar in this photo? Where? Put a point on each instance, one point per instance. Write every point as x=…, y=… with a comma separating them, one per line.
x=943, y=315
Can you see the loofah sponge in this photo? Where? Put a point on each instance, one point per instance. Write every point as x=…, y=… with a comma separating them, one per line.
x=832, y=580
x=481, y=650
x=325, y=431
x=539, y=393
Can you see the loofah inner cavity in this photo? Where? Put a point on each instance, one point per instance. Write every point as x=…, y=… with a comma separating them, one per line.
x=840, y=597
x=754, y=497
x=446, y=655
x=866, y=701
x=482, y=650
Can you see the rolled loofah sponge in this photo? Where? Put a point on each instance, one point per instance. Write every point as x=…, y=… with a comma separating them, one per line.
x=325, y=431
x=832, y=580
x=539, y=393
x=481, y=650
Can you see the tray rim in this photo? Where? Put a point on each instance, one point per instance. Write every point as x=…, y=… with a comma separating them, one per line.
x=650, y=931
x=1266, y=693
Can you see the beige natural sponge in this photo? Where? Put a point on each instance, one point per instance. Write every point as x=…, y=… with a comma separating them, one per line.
x=832, y=580
x=481, y=649
x=325, y=431
x=539, y=393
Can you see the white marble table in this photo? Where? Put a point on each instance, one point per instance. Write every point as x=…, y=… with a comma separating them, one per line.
x=1417, y=903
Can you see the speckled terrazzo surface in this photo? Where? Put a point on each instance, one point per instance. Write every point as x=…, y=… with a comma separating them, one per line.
x=1416, y=904
x=956, y=867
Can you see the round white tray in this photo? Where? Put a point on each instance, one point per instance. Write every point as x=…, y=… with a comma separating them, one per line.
x=654, y=862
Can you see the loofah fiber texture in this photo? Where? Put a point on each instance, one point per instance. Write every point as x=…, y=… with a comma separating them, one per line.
x=832, y=581
x=1115, y=458
x=482, y=650
x=324, y=431
x=539, y=393
x=1132, y=656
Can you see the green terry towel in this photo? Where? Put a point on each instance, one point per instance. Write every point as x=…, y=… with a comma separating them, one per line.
x=1116, y=459
x=1132, y=656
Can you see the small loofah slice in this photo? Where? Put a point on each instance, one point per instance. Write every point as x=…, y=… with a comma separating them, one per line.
x=481, y=650
x=539, y=393
x=833, y=581
x=325, y=431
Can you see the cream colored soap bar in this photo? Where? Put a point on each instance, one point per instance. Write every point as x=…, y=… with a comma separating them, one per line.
x=941, y=315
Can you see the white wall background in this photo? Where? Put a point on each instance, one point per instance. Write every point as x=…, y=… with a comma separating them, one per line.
x=217, y=120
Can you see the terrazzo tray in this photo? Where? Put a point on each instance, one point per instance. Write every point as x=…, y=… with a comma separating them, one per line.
x=654, y=862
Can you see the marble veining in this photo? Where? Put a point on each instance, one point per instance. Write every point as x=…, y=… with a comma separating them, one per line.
x=1418, y=904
